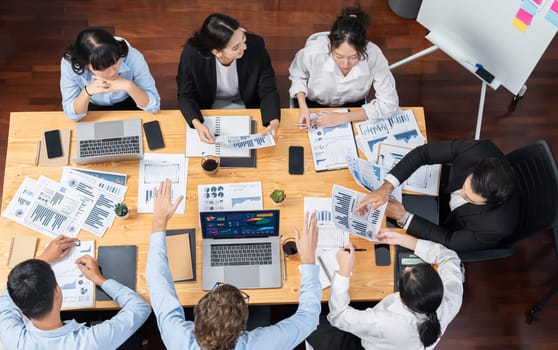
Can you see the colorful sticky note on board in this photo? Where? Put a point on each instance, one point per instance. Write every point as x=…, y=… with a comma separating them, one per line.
x=529, y=7
x=554, y=6
x=552, y=17
x=524, y=16
x=519, y=25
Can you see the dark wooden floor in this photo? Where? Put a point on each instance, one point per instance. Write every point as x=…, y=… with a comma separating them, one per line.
x=33, y=34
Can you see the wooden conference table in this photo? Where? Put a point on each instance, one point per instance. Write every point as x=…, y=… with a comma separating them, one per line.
x=368, y=283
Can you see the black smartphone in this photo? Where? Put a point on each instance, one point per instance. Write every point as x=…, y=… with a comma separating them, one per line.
x=381, y=251
x=296, y=160
x=53, y=143
x=153, y=134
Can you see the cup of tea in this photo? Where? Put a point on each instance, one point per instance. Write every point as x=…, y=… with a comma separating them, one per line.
x=210, y=164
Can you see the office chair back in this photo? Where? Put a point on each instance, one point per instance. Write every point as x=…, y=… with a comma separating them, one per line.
x=537, y=186
x=537, y=174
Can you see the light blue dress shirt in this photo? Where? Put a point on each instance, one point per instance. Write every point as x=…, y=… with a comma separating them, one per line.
x=132, y=67
x=17, y=332
x=177, y=333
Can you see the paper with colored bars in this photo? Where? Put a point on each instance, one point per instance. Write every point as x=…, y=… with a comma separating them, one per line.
x=346, y=217
x=253, y=141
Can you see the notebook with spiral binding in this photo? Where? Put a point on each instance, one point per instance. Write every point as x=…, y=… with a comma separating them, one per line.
x=218, y=125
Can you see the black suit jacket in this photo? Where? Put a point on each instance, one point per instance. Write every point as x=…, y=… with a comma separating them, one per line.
x=470, y=226
x=197, y=81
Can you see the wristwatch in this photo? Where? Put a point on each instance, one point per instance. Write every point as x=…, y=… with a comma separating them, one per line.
x=402, y=221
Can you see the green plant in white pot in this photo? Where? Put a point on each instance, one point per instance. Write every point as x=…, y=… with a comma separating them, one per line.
x=121, y=210
x=278, y=197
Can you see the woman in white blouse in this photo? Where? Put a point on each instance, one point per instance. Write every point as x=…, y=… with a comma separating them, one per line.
x=338, y=69
x=413, y=318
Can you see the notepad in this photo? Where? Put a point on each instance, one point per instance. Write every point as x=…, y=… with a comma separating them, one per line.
x=218, y=125
x=21, y=249
x=118, y=263
x=181, y=253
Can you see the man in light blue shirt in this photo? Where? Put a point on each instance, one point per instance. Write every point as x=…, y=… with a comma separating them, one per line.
x=221, y=315
x=100, y=70
x=30, y=313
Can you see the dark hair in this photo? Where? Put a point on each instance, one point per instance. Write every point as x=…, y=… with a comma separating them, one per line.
x=97, y=47
x=350, y=26
x=421, y=290
x=215, y=33
x=220, y=317
x=31, y=286
x=493, y=179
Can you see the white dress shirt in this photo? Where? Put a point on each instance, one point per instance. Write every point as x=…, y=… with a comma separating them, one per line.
x=390, y=324
x=227, y=94
x=314, y=73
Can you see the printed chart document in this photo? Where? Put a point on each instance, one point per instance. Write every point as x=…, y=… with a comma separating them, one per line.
x=330, y=146
x=103, y=194
x=330, y=238
x=370, y=176
x=230, y=196
x=154, y=169
x=219, y=126
x=43, y=208
x=401, y=129
x=345, y=216
x=77, y=291
x=117, y=178
x=253, y=141
x=424, y=180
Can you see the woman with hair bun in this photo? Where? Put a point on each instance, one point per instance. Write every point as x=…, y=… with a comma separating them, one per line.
x=338, y=69
x=102, y=72
x=412, y=319
x=223, y=66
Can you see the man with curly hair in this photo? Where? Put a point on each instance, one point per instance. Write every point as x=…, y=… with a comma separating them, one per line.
x=221, y=315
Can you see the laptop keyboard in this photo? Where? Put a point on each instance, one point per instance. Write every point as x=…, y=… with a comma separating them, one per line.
x=241, y=254
x=104, y=147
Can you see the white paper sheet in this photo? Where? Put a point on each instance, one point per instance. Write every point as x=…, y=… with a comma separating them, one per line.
x=104, y=194
x=77, y=291
x=253, y=141
x=154, y=169
x=231, y=196
x=330, y=146
x=219, y=126
x=43, y=208
x=424, y=180
x=345, y=216
x=370, y=176
x=401, y=129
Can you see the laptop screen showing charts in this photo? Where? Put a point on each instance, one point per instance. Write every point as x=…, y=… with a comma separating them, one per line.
x=241, y=248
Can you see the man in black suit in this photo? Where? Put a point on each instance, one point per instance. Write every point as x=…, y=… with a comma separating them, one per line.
x=483, y=209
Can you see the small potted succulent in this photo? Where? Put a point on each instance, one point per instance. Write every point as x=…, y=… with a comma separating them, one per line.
x=121, y=210
x=278, y=197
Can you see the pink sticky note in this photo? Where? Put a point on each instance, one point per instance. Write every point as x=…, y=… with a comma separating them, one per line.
x=524, y=16
x=538, y=2
x=554, y=6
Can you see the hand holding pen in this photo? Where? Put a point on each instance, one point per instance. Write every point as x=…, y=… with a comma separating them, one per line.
x=90, y=269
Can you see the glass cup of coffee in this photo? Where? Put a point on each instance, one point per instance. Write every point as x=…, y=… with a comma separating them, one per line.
x=210, y=164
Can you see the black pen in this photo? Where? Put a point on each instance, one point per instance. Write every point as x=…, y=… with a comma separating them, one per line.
x=356, y=250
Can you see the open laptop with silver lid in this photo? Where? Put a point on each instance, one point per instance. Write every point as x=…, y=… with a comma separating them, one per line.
x=109, y=141
x=256, y=232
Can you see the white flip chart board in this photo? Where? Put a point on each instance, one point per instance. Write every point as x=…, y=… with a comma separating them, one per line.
x=492, y=33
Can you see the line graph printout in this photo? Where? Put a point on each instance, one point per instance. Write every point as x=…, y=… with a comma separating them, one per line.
x=253, y=141
x=154, y=169
x=424, y=180
x=43, y=208
x=230, y=196
x=400, y=129
x=330, y=146
x=77, y=291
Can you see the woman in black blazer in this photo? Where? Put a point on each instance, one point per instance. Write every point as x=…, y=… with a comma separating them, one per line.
x=222, y=66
